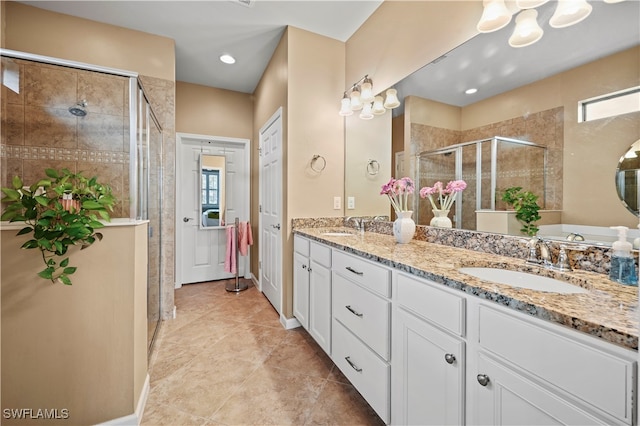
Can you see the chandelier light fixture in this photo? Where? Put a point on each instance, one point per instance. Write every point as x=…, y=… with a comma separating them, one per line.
x=361, y=97
x=497, y=15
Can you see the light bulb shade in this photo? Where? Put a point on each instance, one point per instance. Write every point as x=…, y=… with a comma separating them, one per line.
x=570, y=12
x=356, y=100
x=613, y=1
x=378, y=107
x=366, y=90
x=527, y=30
x=391, y=100
x=366, y=113
x=345, y=108
x=530, y=4
x=494, y=16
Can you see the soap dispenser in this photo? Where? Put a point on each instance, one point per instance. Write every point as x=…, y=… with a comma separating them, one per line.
x=623, y=266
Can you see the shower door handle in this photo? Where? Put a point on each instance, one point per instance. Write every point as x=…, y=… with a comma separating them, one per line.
x=187, y=219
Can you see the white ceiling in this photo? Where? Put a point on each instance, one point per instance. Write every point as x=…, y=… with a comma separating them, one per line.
x=203, y=30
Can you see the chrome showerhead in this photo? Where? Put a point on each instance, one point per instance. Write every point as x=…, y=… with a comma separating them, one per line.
x=79, y=109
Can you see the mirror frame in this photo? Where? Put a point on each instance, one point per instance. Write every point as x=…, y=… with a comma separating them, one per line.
x=212, y=162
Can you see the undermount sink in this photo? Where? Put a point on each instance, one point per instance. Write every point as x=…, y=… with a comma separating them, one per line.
x=522, y=280
x=338, y=234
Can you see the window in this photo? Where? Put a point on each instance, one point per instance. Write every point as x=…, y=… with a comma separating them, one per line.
x=210, y=189
x=609, y=105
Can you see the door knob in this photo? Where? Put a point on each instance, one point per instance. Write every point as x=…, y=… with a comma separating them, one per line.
x=450, y=358
x=276, y=226
x=187, y=219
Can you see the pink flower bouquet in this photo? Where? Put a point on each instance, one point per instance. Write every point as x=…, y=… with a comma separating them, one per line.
x=398, y=191
x=443, y=195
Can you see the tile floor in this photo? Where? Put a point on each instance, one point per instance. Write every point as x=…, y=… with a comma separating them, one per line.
x=226, y=360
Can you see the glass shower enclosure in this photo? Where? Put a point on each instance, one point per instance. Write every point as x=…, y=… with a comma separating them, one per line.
x=62, y=114
x=488, y=166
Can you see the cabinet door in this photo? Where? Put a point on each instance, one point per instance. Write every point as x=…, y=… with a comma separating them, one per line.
x=506, y=398
x=320, y=305
x=301, y=289
x=427, y=373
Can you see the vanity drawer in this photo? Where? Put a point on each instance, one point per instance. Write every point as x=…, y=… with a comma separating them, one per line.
x=320, y=254
x=593, y=373
x=369, y=374
x=365, y=314
x=438, y=306
x=374, y=277
x=301, y=245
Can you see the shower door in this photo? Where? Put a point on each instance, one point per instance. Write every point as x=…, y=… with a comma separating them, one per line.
x=438, y=166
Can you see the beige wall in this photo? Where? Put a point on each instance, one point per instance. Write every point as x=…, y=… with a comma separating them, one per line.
x=591, y=150
x=33, y=30
x=402, y=36
x=206, y=110
x=363, y=146
x=79, y=347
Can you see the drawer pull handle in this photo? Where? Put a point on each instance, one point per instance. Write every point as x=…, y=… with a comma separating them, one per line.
x=483, y=379
x=355, y=367
x=353, y=311
x=450, y=358
x=350, y=269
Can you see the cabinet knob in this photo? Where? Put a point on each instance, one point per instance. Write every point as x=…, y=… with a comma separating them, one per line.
x=450, y=358
x=483, y=379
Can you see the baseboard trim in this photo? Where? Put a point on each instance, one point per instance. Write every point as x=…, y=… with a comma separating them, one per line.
x=136, y=417
x=289, y=323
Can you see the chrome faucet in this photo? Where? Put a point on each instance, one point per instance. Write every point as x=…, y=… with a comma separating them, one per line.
x=381, y=218
x=357, y=221
x=537, y=244
x=574, y=236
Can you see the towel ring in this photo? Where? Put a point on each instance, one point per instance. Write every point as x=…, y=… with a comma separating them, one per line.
x=313, y=162
x=373, y=167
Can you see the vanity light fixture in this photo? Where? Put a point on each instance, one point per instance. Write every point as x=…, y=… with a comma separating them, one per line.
x=570, y=12
x=361, y=97
x=494, y=16
x=527, y=30
x=497, y=15
x=227, y=59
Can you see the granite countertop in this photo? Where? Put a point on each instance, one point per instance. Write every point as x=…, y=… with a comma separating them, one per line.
x=608, y=311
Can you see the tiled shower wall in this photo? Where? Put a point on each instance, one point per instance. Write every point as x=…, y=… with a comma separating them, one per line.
x=38, y=132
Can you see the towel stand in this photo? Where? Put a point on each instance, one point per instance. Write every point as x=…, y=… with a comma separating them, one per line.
x=237, y=286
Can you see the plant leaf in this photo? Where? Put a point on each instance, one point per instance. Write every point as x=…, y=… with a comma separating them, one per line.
x=52, y=173
x=91, y=205
x=43, y=201
x=70, y=270
x=64, y=279
x=17, y=182
x=25, y=230
x=64, y=263
x=30, y=244
x=47, y=273
x=11, y=194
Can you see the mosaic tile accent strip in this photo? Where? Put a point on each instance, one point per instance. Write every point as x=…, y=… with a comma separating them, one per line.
x=20, y=152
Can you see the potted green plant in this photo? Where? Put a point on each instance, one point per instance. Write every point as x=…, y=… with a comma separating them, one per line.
x=525, y=204
x=60, y=211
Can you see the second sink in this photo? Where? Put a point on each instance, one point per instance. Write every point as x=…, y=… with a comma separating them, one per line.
x=522, y=280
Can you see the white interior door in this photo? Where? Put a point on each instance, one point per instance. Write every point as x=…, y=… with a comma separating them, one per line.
x=201, y=252
x=270, y=210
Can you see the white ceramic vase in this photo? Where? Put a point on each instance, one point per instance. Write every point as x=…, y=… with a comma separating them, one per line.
x=441, y=219
x=404, y=227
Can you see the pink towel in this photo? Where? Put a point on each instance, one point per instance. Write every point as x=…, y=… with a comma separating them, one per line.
x=245, y=238
x=230, y=255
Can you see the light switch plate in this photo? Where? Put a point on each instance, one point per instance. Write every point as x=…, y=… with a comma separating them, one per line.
x=337, y=204
x=351, y=203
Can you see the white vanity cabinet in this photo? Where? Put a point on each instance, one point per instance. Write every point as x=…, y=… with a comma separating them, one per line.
x=428, y=367
x=528, y=368
x=361, y=341
x=312, y=289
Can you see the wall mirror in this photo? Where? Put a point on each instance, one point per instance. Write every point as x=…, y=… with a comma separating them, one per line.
x=529, y=94
x=212, y=191
x=628, y=178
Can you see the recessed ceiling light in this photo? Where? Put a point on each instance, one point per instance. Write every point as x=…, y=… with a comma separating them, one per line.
x=228, y=59
x=471, y=91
